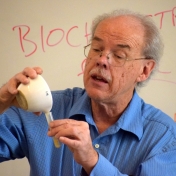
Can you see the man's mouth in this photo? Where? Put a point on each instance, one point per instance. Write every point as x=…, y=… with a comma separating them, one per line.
x=99, y=78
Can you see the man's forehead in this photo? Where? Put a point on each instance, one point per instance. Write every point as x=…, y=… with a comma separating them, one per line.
x=122, y=28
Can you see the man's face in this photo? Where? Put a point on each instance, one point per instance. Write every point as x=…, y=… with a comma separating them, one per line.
x=104, y=82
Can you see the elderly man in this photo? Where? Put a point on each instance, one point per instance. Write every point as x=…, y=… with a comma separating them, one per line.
x=105, y=129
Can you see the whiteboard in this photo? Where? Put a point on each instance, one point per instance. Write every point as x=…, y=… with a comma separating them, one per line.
x=52, y=34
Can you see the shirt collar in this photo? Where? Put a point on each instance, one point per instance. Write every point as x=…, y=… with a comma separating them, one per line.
x=130, y=120
x=82, y=110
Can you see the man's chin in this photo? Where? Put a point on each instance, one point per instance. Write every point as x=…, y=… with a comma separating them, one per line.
x=96, y=94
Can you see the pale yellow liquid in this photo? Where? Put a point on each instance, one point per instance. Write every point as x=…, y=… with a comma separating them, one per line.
x=22, y=100
x=56, y=142
x=49, y=118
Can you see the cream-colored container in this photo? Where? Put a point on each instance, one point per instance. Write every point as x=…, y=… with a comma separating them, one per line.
x=35, y=96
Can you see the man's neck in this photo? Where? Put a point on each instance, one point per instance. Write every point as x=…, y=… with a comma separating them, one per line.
x=107, y=114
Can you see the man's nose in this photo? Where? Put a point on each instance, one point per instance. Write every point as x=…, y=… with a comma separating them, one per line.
x=102, y=60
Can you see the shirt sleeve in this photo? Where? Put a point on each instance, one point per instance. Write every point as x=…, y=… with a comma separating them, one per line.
x=104, y=168
x=12, y=139
x=160, y=164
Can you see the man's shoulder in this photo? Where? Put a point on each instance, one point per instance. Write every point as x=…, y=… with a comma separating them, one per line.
x=69, y=92
x=65, y=99
x=157, y=119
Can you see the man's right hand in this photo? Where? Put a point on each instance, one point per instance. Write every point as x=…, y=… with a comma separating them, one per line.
x=9, y=90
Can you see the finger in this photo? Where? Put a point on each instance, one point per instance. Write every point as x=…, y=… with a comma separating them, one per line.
x=22, y=77
x=64, y=122
x=14, y=83
x=63, y=127
x=72, y=132
x=32, y=72
x=61, y=130
x=38, y=70
x=72, y=144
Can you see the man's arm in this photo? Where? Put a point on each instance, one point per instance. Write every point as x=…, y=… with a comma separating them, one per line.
x=161, y=164
x=75, y=134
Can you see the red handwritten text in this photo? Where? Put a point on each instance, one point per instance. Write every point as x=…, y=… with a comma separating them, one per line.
x=24, y=30
x=59, y=34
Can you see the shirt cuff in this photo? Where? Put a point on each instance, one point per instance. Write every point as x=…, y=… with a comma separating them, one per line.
x=103, y=167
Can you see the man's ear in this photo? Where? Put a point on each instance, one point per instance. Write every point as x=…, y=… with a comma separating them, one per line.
x=148, y=66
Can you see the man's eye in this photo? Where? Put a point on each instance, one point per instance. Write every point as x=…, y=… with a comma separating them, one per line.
x=118, y=56
x=96, y=50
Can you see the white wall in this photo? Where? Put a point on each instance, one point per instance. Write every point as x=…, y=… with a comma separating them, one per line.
x=49, y=21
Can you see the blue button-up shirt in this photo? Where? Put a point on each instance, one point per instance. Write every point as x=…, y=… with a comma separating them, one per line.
x=141, y=143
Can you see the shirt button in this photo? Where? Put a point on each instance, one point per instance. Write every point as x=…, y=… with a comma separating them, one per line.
x=97, y=145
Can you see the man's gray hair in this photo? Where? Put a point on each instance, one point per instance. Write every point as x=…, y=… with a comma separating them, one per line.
x=153, y=48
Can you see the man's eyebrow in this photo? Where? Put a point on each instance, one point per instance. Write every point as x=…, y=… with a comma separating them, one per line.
x=123, y=46
x=95, y=38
